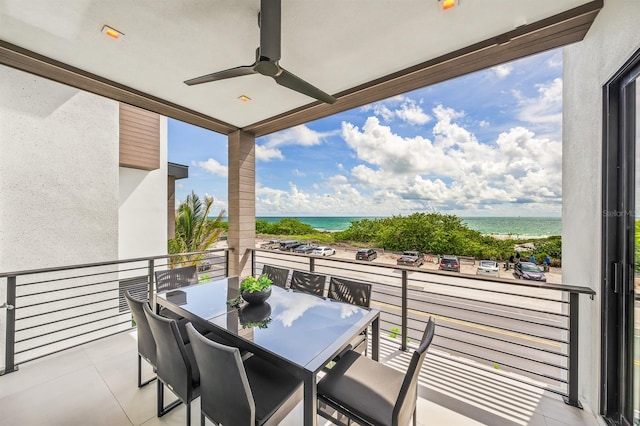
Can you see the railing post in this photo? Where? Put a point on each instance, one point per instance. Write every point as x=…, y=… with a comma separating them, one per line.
x=150, y=270
x=226, y=263
x=312, y=264
x=253, y=263
x=10, y=338
x=403, y=332
x=572, y=382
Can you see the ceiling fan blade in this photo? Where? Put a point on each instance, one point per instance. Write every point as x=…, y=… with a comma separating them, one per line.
x=221, y=75
x=270, y=29
x=286, y=79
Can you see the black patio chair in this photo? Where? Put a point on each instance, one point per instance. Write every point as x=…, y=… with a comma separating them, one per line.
x=175, y=364
x=356, y=293
x=233, y=392
x=279, y=276
x=146, y=344
x=372, y=393
x=308, y=282
x=171, y=279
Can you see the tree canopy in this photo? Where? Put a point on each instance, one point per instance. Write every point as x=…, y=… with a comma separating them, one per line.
x=195, y=231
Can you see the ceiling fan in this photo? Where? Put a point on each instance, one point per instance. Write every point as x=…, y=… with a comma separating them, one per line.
x=267, y=58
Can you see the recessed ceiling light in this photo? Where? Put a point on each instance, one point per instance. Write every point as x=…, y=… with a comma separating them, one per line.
x=244, y=98
x=111, y=32
x=448, y=4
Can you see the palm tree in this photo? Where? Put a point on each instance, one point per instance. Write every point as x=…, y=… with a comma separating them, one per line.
x=194, y=230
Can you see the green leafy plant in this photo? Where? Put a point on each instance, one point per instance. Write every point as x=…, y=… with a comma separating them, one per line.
x=394, y=332
x=258, y=324
x=195, y=231
x=235, y=302
x=253, y=284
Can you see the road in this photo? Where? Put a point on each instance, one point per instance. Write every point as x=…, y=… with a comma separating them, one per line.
x=494, y=323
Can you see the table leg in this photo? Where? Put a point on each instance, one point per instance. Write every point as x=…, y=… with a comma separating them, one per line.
x=310, y=399
x=375, y=343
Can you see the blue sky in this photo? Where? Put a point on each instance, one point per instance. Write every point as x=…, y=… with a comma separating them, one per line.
x=485, y=144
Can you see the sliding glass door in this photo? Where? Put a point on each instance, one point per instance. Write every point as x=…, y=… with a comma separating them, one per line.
x=621, y=248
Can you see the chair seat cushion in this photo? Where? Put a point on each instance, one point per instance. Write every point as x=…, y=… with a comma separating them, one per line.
x=270, y=386
x=363, y=386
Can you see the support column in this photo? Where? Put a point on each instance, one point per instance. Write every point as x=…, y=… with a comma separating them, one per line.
x=242, y=201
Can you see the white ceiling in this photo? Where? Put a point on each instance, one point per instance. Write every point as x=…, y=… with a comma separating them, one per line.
x=333, y=44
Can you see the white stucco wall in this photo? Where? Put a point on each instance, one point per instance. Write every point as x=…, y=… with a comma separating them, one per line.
x=588, y=65
x=58, y=174
x=143, y=207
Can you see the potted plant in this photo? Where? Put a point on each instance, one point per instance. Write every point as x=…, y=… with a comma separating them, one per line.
x=256, y=290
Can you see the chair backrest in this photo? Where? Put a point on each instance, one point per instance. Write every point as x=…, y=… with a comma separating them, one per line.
x=277, y=275
x=172, y=362
x=354, y=292
x=176, y=278
x=308, y=282
x=406, y=402
x=146, y=343
x=225, y=394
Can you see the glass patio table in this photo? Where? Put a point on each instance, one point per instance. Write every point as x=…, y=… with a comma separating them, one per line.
x=297, y=331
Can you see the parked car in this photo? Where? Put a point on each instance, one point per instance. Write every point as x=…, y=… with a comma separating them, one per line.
x=411, y=258
x=324, y=251
x=488, y=267
x=366, y=254
x=305, y=249
x=449, y=263
x=528, y=271
x=289, y=245
x=270, y=245
x=204, y=265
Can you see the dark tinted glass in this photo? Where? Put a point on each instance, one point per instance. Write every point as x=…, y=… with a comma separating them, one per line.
x=296, y=326
x=204, y=301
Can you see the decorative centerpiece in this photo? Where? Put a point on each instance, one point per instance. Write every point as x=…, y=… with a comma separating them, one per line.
x=256, y=290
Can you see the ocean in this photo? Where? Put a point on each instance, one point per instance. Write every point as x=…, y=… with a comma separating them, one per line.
x=516, y=226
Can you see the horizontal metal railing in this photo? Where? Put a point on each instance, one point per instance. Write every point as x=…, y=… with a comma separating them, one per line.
x=54, y=309
x=524, y=327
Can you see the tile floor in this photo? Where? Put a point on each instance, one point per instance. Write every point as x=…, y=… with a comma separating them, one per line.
x=95, y=384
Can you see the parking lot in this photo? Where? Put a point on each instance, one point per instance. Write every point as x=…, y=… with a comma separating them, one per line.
x=431, y=262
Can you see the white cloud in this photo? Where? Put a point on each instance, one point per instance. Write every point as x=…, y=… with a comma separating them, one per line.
x=404, y=108
x=555, y=61
x=545, y=110
x=298, y=135
x=502, y=71
x=484, y=123
x=298, y=173
x=412, y=113
x=455, y=171
x=264, y=153
x=214, y=167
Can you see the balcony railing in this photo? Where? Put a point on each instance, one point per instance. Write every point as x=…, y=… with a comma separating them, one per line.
x=526, y=330
x=53, y=309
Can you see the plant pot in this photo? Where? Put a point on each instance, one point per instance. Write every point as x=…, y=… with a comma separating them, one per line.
x=255, y=315
x=256, y=297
